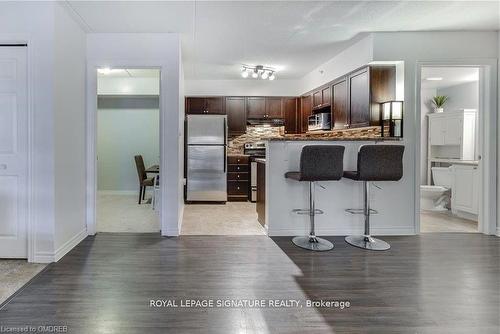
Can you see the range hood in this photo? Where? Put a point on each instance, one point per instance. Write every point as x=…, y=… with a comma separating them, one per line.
x=267, y=122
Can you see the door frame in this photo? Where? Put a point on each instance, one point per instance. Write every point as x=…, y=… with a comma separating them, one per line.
x=91, y=136
x=487, y=217
x=31, y=166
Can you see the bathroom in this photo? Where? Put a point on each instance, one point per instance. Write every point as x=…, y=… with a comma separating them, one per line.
x=450, y=152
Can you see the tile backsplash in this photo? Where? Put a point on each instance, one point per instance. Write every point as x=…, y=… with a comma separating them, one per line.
x=254, y=133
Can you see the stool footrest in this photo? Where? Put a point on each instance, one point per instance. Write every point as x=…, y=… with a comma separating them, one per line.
x=307, y=211
x=360, y=211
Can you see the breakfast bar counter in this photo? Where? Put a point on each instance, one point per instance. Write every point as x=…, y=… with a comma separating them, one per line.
x=393, y=200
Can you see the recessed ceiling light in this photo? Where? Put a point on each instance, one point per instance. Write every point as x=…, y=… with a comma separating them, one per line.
x=264, y=75
x=244, y=73
x=434, y=79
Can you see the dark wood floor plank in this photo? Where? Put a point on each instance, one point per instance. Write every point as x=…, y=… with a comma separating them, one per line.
x=434, y=283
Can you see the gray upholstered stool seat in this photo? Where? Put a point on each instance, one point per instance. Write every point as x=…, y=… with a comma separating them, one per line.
x=375, y=163
x=317, y=163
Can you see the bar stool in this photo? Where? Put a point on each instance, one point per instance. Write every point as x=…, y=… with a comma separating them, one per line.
x=317, y=163
x=375, y=163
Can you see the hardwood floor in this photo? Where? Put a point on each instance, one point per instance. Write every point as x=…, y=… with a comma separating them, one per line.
x=433, y=283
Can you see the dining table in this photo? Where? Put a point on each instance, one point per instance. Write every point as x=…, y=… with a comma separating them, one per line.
x=153, y=169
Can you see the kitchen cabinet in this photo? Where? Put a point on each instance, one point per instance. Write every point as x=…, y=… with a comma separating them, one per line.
x=340, y=117
x=465, y=189
x=321, y=98
x=274, y=107
x=359, y=98
x=236, y=115
x=261, y=192
x=305, y=112
x=290, y=113
x=237, y=178
x=205, y=105
x=256, y=107
x=452, y=135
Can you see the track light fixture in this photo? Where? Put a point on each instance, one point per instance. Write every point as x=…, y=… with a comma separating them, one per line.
x=265, y=73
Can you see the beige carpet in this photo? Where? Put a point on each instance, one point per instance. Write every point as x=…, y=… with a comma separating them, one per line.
x=121, y=213
x=232, y=218
x=445, y=222
x=14, y=274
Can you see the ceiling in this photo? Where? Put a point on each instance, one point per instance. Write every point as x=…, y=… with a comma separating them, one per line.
x=293, y=36
x=451, y=76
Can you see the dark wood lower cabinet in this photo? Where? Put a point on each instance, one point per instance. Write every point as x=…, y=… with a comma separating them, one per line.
x=238, y=178
x=261, y=193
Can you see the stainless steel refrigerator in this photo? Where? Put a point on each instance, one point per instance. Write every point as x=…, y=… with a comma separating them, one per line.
x=206, y=158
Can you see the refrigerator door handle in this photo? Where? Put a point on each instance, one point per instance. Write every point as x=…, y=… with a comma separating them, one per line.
x=225, y=158
x=225, y=132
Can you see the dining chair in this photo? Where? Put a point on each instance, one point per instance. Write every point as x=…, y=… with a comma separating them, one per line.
x=143, y=179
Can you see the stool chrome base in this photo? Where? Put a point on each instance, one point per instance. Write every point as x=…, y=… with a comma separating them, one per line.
x=367, y=242
x=313, y=243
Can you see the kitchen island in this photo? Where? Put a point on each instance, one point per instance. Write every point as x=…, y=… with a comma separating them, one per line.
x=394, y=200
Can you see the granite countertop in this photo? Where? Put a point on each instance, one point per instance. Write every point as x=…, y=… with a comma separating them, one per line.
x=261, y=160
x=320, y=138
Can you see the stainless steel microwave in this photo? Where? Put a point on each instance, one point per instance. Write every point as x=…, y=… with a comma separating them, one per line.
x=320, y=121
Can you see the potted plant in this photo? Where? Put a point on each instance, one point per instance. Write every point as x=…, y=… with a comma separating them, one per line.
x=438, y=102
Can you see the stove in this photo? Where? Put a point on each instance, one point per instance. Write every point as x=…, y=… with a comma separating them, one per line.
x=254, y=150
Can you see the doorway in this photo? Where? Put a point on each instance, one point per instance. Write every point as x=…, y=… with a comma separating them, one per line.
x=128, y=150
x=450, y=149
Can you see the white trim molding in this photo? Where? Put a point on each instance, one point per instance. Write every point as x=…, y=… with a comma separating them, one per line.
x=70, y=244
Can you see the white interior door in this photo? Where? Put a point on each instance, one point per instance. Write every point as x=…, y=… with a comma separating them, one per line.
x=13, y=152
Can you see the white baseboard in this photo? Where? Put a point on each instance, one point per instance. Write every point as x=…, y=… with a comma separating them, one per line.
x=118, y=192
x=342, y=232
x=70, y=244
x=43, y=257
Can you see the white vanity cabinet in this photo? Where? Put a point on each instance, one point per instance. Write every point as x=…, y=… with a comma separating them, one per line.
x=452, y=135
x=465, y=189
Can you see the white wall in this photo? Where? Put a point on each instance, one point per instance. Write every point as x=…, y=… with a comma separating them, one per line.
x=426, y=94
x=353, y=57
x=122, y=134
x=463, y=96
x=127, y=86
x=414, y=47
x=148, y=50
x=33, y=23
x=69, y=132
x=243, y=87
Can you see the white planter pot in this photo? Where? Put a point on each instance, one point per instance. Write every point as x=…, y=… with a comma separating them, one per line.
x=437, y=110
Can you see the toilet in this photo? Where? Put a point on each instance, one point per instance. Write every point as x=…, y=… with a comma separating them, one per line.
x=437, y=197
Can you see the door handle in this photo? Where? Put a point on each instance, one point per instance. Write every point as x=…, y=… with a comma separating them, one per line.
x=225, y=158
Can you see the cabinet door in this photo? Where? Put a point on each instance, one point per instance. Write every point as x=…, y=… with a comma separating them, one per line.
x=453, y=129
x=256, y=107
x=317, y=99
x=359, y=98
x=290, y=111
x=305, y=112
x=326, y=94
x=195, y=105
x=236, y=115
x=215, y=105
x=339, y=105
x=273, y=107
x=436, y=131
x=465, y=191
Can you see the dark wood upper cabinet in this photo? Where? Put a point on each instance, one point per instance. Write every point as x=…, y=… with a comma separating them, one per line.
x=256, y=107
x=274, y=107
x=305, y=112
x=195, y=105
x=382, y=89
x=340, y=115
x=359, y=98
x=215, y=105
x=236, y=115
x=205, y=105
x=321, y=98
x=290, y=111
